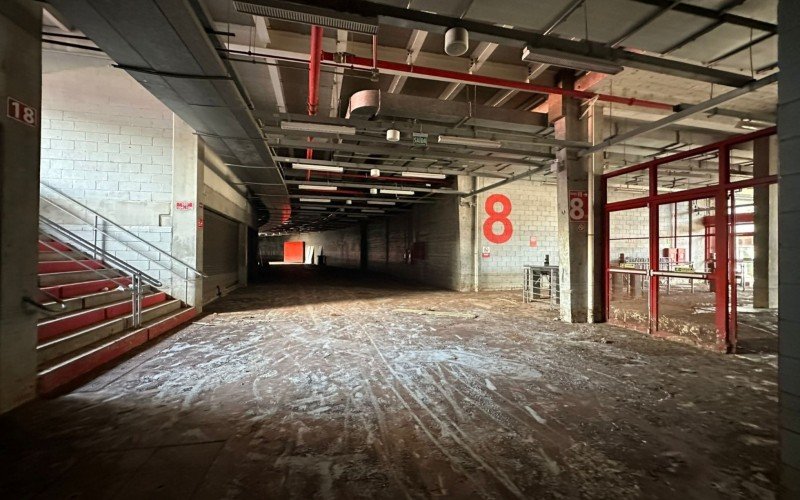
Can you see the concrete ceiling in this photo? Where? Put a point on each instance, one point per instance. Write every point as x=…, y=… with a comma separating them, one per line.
x=736, y=36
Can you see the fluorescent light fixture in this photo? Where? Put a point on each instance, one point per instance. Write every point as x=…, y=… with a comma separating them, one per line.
x=566, y=60
x=396, y=191
x=750, y=124
x=309, y=14
x=381, y=203
x=374, y=172
x=423, y=175
x=318, y=168
x=317, y=188
x=313, y=208
x=323, y=128
x=468, y=141
x=373, y=211
x=315, y=200
x=373, y=190
x=348, y=202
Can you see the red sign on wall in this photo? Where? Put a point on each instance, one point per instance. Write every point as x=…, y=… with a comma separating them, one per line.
x=22, y=112
x=578, y=206
x=184, y=205
x=201, y=222
x=533, y=243
x=500, y=216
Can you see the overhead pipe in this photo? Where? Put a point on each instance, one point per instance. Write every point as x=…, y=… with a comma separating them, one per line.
x=486, y=81
x=314, y=62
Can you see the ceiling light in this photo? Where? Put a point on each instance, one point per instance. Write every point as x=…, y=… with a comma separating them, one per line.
x=373, y=211
x=308, y=14
x=371, y=202
x=565, y=60
x=392, y=135
x=396, y=191
x=315, y=200
x=456, y=41
x=750, y=124
x=318, y=168
x=468, y=141
x=423, y=175
x=317, y=188
x=373, y=190
x=348, y=202
x=323, y=128
x=374, y=172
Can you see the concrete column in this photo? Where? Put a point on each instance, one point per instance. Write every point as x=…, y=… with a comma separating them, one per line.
x=187, y=210
x=242, y=255
x=21, y=80
x=573, y=254
x=788, y=217
x=765, y=286
x=596, y=264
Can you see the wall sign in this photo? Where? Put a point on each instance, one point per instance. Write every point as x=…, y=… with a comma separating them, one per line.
x=533, y=243
x=578, y=206
x=201, y=222
x=22, y=112
x=498, y=216
x=486, y=253
x=184, y=205
x=419, y=139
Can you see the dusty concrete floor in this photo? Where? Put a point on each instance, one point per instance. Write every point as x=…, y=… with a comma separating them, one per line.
x=321, y=386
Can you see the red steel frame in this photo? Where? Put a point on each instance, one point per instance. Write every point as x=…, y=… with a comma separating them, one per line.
x=725, y=315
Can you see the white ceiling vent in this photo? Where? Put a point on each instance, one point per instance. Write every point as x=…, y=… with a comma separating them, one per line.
x=456, y=41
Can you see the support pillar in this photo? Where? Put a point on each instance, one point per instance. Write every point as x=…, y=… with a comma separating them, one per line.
x=765, y=286
x=573, y=221
x=187, y=210
x=21, y=80
x=788, y=215
x=596, y=231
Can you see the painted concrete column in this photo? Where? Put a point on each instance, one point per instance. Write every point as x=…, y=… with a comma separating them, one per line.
x=20, y=80
x=187, y=210
x=765, y=262
x=573, y=208
x=595, y=253
x=788, y=217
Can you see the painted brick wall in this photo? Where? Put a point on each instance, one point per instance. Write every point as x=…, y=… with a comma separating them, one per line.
x=108, y=143
x=533, y=215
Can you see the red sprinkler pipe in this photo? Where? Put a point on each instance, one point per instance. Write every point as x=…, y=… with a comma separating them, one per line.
x=313, y=76
x=486, y=81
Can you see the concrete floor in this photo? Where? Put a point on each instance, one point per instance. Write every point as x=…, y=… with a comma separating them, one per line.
x=316, y=385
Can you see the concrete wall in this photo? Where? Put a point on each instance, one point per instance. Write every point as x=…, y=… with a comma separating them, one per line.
x=788, y=214
x=20, y=74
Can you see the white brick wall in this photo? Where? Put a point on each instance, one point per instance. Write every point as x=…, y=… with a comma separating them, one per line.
x=533, y=214
x=108, y=143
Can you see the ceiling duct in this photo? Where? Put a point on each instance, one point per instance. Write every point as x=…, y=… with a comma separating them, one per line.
x=544, y=55
x=456, y=41
x=306, y=14
x=368, y=104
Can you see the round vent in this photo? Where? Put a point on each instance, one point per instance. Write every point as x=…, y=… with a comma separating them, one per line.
x=392, y=135
x=456, y=41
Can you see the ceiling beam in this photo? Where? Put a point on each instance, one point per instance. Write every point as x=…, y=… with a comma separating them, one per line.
x=388, y=168
x=483, y=31
x=414, y=45
x=338, y=75
x=363, y=198
x=715, y=15
x=262, y=40
x=479, y=56
x=675, y=117
x=367, y=185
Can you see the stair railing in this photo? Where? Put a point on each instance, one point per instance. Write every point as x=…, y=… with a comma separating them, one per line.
x=101, y=225
x=137, y=277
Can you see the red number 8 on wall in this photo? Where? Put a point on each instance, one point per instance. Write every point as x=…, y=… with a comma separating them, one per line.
x=498, y=216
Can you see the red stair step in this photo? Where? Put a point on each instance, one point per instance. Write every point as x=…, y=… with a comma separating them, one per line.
x=76, y=321
x=49, y=246
x=56, y=377
x=85, y=287
x=60, y=266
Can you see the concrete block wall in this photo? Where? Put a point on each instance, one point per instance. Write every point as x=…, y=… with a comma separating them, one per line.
x=533, y=215
x=341, y=247
x=108, y=143
x=788, y=213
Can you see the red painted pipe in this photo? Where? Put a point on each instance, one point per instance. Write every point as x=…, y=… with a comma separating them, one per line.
x=313, y=76
x=488, y=81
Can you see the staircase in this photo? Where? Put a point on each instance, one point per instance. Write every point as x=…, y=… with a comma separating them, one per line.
x=92, y=313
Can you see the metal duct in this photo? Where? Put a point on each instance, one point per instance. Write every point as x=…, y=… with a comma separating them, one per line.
x=368, y=104
x=309, y=15
x=163, y=44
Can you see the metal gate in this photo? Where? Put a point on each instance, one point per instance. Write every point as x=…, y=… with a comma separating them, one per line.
x=221, y=254
x=670, y=241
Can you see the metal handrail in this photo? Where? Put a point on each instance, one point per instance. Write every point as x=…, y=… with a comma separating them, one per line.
x=89, y=247
x=117, y=227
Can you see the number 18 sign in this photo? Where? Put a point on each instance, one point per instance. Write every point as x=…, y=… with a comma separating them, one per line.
x=22, y=112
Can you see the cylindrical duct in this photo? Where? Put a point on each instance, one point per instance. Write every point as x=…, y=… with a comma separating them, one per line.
x=392, y=135
x=456, y=41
